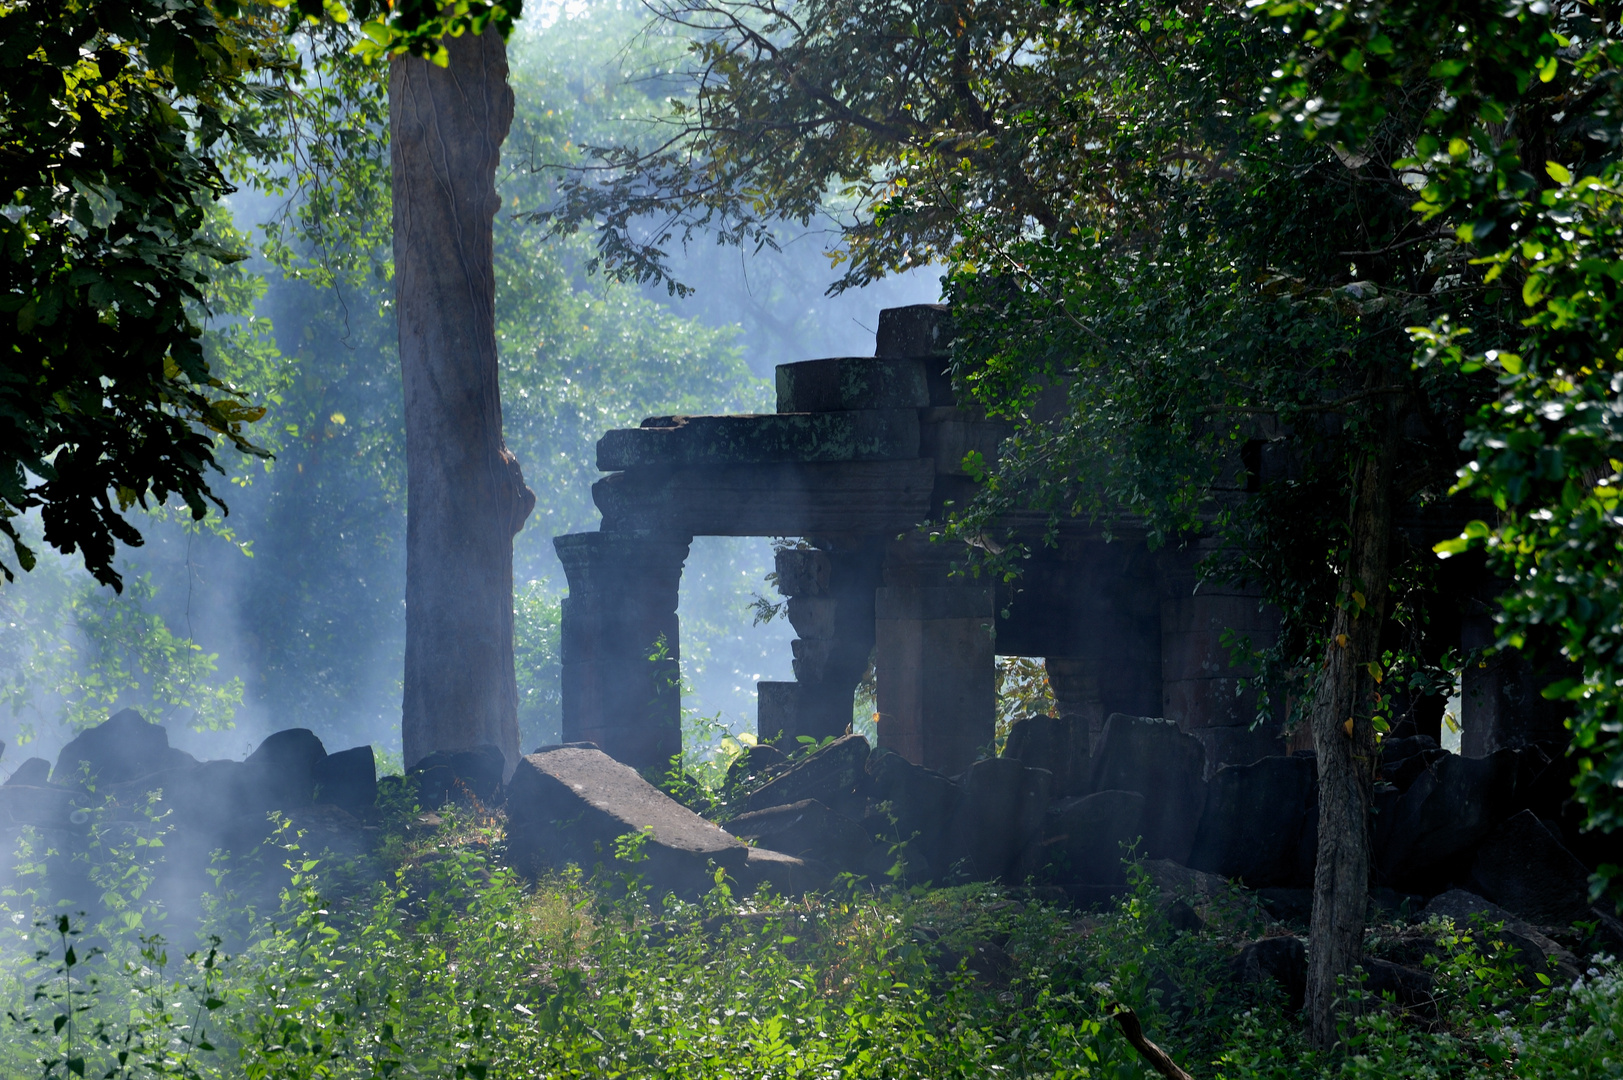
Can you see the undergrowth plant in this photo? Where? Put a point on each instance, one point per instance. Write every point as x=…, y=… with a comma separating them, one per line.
x=445, y=963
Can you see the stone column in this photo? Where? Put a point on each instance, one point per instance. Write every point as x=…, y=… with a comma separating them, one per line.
x=935, y=664
x=1075, y=683
x=621, y=645
x=831, y=606
x=1500, y=701
x=1200, y=687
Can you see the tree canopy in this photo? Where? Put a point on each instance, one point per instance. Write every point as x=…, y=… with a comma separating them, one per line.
x=118, y=123
x=1515, y=158
x=1195, y=254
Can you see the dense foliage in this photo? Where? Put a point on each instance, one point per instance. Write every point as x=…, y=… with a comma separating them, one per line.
x=450, y=966
x=113, y=117
x=1516, y=159
x=296, y=596
x=118, y=124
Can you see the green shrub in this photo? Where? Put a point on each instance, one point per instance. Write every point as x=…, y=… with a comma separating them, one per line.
x=454, y=967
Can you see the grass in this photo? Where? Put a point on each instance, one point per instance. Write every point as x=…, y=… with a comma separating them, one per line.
x=438, y=962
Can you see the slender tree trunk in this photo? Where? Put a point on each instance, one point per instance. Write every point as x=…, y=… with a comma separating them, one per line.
x=465, y=494
x=1344, y=738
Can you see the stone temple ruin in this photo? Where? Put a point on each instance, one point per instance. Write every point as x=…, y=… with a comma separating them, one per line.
x=1152, y=752
x=859, y=453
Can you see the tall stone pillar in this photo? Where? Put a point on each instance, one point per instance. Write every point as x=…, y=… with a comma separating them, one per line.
x=831, y=606
x=621, y=645
x=1500, y=701
x=935, y=662
x=1074, y=681
x=1201, y=688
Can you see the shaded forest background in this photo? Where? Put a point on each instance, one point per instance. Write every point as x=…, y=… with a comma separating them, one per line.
x=289, y=611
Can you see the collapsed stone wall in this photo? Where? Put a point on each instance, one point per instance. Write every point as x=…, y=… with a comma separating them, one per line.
x=1452, y=835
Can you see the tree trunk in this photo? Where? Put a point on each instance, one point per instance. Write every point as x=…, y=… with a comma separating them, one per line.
x=465, y=493
x=1344, y=738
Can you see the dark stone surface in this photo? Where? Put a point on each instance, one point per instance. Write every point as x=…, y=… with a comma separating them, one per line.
x=1155, y=759
x=810, y=830
x=1294, y=906
x=776, y=438
x=571, y=806
x=1394, y=750
x=1056, y=743
x=873, y=498
x=911, y=806
x=914, y=330
x=460, y=776
x=1448, y=809
x=786, y=875
x=35, y=772
x=348, y=779
x=282, y=769
x=211, y=794
x=1279, y=960
x=122, y=747
x=851, y=382
x=1252, y=826
x=985, y=829
x=1523, y=868
x=52, y=807
x=1402, y=773
x=1409, y=987
x=1527, y=943
x=755, y=765
x=832, y=775
x=1083, y=836
x=1036, y=795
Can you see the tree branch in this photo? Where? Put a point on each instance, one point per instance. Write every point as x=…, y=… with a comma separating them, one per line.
x=1158, y=1059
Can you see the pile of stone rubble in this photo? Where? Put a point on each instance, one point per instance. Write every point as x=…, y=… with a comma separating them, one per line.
x=1452, y=835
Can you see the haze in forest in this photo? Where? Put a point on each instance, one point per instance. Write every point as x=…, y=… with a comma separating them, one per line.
x=289, y=611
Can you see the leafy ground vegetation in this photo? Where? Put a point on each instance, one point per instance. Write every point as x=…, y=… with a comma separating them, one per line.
x=435, y=960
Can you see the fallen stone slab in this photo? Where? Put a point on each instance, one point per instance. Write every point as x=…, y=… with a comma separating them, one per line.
x=833, y=776
x=348, y=779
x=1084, y=837
x=1278, y=960
x=123, y=747
x=911, y=807
x=756, y=766
x=1406, y=987
x=463, y=776
x=1212, y=898
x=989, y=830
x=581, y=807
x=786, y=875
x=1251, y=829
x=49, y=806
x=1448, y=809
x=1523, y=868
x=810, y=830
x=1056, y=743
x=1532, y=947
x=282, y=769
x=35, y=772
x=1157, y=760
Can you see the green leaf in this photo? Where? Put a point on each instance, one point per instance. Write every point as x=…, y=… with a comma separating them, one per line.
x=1558, y=172
x=1559, y=689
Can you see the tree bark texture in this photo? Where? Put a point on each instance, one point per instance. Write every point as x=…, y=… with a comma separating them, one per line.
x=1344, y=738
x=466, y=496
